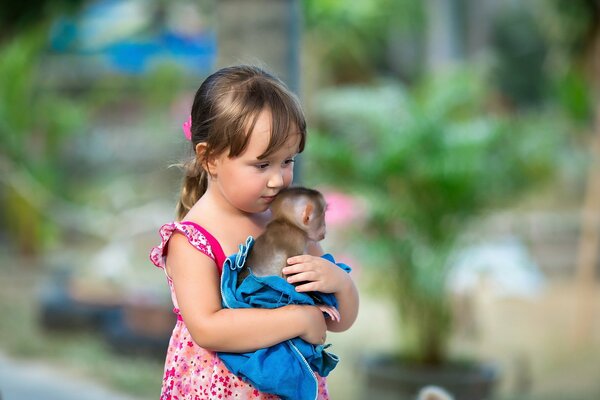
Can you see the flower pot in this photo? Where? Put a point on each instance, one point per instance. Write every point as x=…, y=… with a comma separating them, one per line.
x=389, y=378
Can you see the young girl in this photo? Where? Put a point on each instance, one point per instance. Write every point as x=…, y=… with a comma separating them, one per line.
x=246, y=130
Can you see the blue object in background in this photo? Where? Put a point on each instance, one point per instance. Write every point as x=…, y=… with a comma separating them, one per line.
x=127, y=37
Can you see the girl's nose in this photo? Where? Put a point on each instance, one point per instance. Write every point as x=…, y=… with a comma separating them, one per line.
x=275, y=180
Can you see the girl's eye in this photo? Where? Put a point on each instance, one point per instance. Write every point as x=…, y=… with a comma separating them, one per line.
x=262, y=165
x=289, y=161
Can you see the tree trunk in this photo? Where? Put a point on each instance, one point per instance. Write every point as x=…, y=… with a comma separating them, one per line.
x=587, y=258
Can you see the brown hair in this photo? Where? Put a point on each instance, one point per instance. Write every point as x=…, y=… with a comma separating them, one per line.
x=224, y=112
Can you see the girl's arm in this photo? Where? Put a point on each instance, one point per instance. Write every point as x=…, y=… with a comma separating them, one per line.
x=197, y=287
x=326, y=277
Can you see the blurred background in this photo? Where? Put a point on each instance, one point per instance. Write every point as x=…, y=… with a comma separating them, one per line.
x=457, y=143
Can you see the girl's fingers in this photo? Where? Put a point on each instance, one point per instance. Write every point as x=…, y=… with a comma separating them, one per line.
x=296, y=269
x=304, y=258
x=307, y=287
x=300, y=277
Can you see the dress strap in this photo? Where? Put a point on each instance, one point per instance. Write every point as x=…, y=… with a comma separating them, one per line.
x=214, y=243
x=196, y=235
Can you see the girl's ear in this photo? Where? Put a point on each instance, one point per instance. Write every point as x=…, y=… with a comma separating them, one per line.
x=207, y=164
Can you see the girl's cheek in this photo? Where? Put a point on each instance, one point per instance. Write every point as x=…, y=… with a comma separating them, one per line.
x=289, y=177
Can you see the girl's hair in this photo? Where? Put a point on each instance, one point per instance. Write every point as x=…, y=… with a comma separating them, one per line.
x=224, y=112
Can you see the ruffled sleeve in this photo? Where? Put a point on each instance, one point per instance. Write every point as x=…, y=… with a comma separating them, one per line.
x=194, y=236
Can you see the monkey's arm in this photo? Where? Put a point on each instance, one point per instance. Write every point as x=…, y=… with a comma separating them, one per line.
x=324, y=276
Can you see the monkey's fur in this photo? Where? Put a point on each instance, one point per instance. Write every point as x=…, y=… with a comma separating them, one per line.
x=298, y=217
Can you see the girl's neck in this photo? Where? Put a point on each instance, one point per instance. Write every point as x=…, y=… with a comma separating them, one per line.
x=213, y=203
x=229, y=226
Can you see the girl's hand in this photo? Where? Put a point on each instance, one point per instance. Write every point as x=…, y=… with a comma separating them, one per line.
x=315, y=274
x=316, y=328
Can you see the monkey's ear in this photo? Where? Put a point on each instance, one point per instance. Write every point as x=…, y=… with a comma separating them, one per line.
x=308, y=210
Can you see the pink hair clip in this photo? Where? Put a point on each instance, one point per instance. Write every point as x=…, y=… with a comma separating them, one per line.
x=187, y=128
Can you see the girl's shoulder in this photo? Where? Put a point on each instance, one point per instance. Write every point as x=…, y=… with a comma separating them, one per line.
x=196, y=235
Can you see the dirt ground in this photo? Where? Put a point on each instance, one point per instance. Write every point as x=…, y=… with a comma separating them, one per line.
x=548, y=345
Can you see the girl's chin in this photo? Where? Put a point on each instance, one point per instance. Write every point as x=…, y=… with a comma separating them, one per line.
x=258, y=209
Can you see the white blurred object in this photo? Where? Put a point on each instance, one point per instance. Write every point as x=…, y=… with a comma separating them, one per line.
x=505, y=265
x=113, y=261
x=433, y=393
x=106, y=21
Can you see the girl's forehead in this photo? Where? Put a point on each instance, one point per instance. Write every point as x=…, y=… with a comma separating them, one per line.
x=262, y=125
x=292, y=144
x=260, y=137
x=259, y=143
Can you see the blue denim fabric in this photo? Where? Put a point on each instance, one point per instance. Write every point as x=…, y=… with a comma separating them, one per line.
x=285, y=369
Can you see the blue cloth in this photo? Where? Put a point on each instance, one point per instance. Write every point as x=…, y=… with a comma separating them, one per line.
x=285, y=369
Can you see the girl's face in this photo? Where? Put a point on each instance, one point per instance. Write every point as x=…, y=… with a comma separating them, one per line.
x=249, y=184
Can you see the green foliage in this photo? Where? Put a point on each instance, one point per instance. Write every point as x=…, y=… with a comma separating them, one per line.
x=363, y=13
x=357, y=33
x=570, y=24
x=569, y=29
x=162, y=84
x=22, y=15
x=429, y=160
x=574, y=96
x=521, y=49
x=34, y=125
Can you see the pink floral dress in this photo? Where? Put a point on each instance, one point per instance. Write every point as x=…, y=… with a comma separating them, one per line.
x=192, y=372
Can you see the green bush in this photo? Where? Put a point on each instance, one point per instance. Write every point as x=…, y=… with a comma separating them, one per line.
x=34, y=126
x=428, y=160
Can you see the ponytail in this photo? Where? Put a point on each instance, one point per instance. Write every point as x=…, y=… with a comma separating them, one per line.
x=194, y=186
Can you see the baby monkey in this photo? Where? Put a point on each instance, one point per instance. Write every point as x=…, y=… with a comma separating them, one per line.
x=298, y=218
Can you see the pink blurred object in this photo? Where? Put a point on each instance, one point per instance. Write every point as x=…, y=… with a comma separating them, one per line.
x=187, y=128
x=342, y=208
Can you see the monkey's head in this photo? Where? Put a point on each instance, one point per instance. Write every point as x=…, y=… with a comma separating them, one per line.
x=304, y=208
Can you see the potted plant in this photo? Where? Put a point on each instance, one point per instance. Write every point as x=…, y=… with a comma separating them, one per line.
x=429, y=161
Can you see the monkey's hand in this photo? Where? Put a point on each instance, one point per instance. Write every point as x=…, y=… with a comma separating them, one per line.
x=333, y=312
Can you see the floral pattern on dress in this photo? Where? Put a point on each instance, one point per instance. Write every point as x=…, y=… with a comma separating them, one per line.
x=192, y=372
x=195, y=237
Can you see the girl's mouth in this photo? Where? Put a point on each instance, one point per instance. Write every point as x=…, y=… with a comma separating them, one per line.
x=269, y=198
